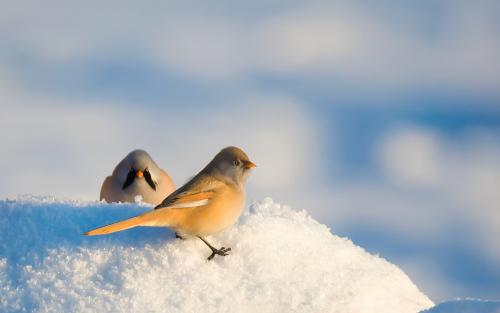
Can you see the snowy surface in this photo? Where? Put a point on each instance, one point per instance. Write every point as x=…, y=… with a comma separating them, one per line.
x=466, y=306
x=282, y=261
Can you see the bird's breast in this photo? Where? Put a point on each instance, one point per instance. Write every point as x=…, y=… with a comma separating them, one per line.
x=221, y=212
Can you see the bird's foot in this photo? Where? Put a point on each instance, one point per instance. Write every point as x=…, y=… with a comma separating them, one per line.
x=222, y=252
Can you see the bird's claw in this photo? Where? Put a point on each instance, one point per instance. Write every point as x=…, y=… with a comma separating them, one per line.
x=222, y=252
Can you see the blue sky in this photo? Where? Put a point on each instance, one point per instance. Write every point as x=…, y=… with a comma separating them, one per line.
x=381, y=119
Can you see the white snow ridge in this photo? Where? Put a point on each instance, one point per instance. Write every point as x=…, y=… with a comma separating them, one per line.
x=281, y=261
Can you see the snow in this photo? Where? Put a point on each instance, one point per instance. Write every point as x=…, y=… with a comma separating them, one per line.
x=282, y=260
x=466, y=306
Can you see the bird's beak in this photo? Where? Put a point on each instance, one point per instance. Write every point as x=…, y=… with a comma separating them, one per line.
x=249, y=164
x=139, y=174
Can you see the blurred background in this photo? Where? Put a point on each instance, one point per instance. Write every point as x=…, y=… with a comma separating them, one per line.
x=382, y=120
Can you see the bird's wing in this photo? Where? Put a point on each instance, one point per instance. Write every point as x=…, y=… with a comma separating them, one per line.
x=106, y=190
x=197, y=192
x=189, y=200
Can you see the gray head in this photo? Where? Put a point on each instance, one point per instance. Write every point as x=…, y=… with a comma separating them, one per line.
x=138, y=164
x=232, y=163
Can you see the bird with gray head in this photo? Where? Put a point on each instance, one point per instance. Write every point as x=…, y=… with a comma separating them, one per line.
x=207, y=204
x=137, y=175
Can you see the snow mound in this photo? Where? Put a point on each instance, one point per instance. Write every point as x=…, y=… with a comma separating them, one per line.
x=281, y=261
x=466, y=306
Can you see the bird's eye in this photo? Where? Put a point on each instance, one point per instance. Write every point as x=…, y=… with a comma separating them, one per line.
x=236, y=162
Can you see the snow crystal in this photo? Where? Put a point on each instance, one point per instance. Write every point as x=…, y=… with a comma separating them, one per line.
x=138, y=199
x=281, y=260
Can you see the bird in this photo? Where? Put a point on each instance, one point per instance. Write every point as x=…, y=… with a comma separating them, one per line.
x=208, y=203
x=137, y=175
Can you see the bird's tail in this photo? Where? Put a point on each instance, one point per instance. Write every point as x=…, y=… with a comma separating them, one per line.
x=151, y=218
